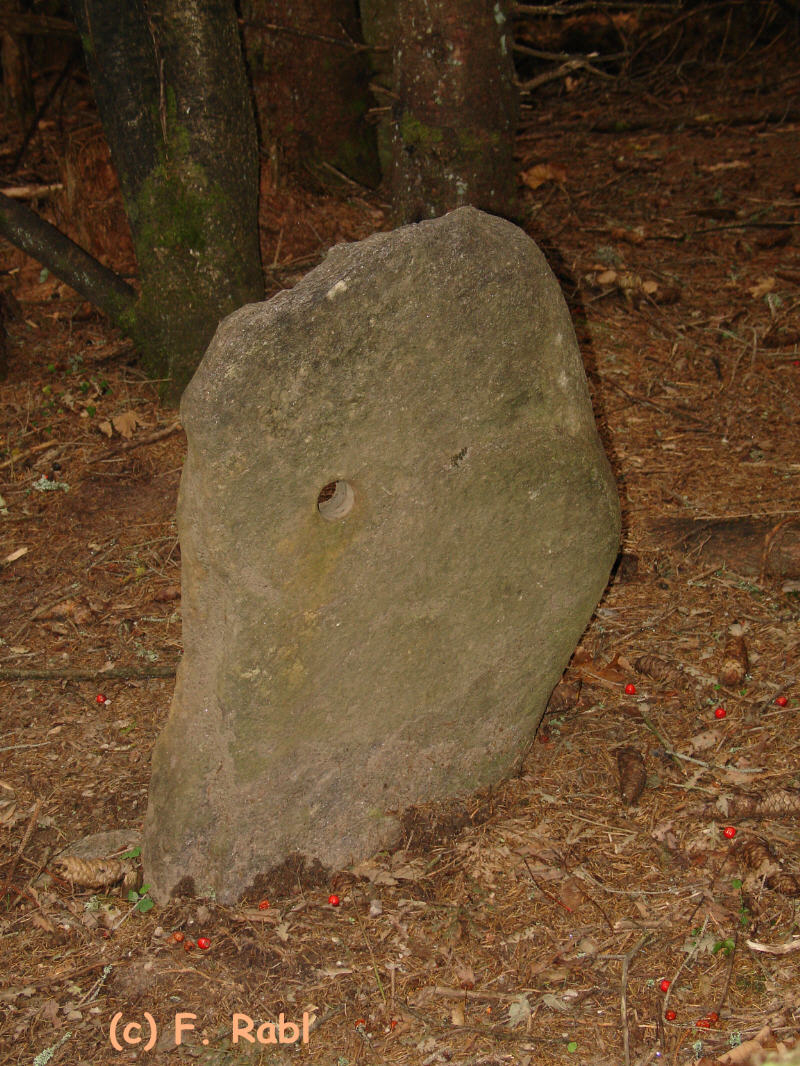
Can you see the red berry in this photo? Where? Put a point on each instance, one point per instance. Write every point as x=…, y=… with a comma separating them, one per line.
x=264, y=905
x=670, y=1015
x=188, y=945
x=713, y=1017
x=177, y=937
x=630, y=689
x=729, y=831
x=664, y=985
x=100, y=698
x=781, y=701
x=720, y=712
x=203, y=943
x=703, y=1023
x=333, y=899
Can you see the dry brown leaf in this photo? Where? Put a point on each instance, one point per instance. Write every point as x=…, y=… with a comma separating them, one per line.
x=762, y=287
x=612, y=675
x=632, y=774
x=465, y=975
x=376, y=875
x=41, y=922
x=630, y=236
x=565, y=695
x=409, y=871
x=166, y=595
x=571, y=893
x=125, y=424
x=670, y=294
x=541, y=173
x=747, y=1050
x=709, y=738
x=8, y=804
x=74, y=609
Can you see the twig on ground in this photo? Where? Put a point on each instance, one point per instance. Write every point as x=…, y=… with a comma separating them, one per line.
x=23, y=844
x=137, y=673
x=623, y=999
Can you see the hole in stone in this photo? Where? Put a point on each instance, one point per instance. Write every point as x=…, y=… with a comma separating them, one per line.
x=336, y=500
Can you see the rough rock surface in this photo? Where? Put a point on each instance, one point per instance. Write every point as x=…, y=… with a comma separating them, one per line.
x=351, y=651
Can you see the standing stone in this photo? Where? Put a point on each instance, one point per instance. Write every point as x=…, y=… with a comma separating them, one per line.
x=396, y=519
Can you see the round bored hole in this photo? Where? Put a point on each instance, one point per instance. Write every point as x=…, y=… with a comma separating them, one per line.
x=335, y=500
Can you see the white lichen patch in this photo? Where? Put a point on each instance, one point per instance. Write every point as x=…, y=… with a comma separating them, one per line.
x=332, y=293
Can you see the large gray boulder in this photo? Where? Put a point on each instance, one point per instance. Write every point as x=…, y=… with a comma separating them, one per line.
x=396, y=519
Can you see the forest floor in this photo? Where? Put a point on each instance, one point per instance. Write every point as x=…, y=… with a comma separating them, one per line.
x=542, y=928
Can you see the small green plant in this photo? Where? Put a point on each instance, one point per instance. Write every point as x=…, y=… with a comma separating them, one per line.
x=141, y=898
x=726, y=946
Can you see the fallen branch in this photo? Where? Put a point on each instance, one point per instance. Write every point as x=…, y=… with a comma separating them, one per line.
x=151, y=438
x=132, y=673
x=88, y=277
x=774, y=949
x=567, y=10
x=28, y=24
x=756, y=547
x=560, y=72
x=32, y=192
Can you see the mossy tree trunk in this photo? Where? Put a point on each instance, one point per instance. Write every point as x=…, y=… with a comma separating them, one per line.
x=170, y=84
x=455, y=110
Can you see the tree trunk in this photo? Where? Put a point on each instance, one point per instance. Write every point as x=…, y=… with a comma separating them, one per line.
x=455, y=114
x=310, y=79
x=171, y=88
x=17, y=84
